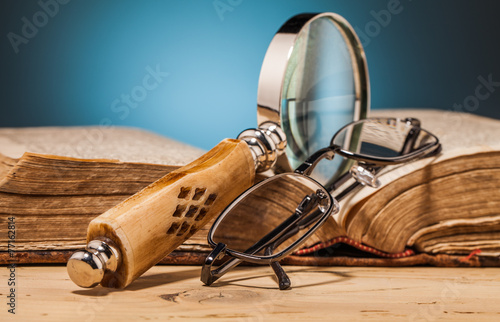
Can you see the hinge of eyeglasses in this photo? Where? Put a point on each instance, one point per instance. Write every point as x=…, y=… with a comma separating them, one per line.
x=266, y=143
x=365, y=175
x=307, y=167
x=412, y=121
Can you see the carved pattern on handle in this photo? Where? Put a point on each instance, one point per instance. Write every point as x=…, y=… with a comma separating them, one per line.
x=193, y=206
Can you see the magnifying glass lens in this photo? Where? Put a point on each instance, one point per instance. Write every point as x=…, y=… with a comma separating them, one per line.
x=319, y=93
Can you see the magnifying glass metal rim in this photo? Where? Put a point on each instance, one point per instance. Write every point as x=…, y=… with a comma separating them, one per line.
x=274, y=66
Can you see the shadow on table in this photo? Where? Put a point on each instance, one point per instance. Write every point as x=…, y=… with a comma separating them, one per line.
x=300, y=278
x=144, y=282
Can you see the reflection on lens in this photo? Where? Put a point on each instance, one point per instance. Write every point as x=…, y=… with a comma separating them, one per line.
x=270, y=216
x=384, y=138
x=319, y=92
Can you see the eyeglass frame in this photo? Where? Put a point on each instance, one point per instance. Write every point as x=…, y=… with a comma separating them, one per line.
x=374, y=164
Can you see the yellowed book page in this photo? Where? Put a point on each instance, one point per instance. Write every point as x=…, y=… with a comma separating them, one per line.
x=459, y=134
x=94, y=142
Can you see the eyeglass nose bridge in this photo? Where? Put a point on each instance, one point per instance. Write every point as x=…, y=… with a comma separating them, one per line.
x=365, y=175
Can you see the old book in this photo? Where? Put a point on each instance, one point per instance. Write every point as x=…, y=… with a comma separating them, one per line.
x=55, y=180
x=445, y=207
x=448, y=204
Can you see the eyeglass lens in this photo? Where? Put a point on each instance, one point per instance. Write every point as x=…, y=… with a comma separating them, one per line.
x=383, y=138
x=270, y=218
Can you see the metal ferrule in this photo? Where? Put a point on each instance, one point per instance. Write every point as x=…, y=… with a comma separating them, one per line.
x=266, y=143
x=87, y=268
x=108, y=254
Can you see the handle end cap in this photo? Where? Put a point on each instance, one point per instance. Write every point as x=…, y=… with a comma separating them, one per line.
x=85, y=269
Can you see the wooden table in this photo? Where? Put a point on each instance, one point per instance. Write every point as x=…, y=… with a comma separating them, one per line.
x=45, y=293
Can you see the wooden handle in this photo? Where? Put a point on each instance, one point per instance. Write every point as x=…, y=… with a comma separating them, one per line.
x=152, y=223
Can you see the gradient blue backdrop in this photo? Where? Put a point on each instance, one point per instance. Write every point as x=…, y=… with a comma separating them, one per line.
x=89, y=53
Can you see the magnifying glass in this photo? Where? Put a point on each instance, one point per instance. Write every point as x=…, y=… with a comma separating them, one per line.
x=313, y=80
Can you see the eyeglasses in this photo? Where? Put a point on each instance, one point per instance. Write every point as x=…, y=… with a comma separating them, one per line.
x=273, y=218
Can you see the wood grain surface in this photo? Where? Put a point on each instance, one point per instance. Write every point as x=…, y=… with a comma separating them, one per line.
x=45, y=293
x=152, y=223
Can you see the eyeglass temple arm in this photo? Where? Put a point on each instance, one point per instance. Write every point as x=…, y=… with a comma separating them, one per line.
x=295, y=229
x=284, y=282
x=278, y=232
x=283, y=279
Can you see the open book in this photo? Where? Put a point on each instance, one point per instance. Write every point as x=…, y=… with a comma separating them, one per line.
x=449, y=204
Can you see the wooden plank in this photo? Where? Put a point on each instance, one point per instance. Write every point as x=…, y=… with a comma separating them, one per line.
x=45, y=293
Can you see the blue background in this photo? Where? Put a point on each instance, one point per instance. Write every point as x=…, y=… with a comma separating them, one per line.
x=89, y=53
